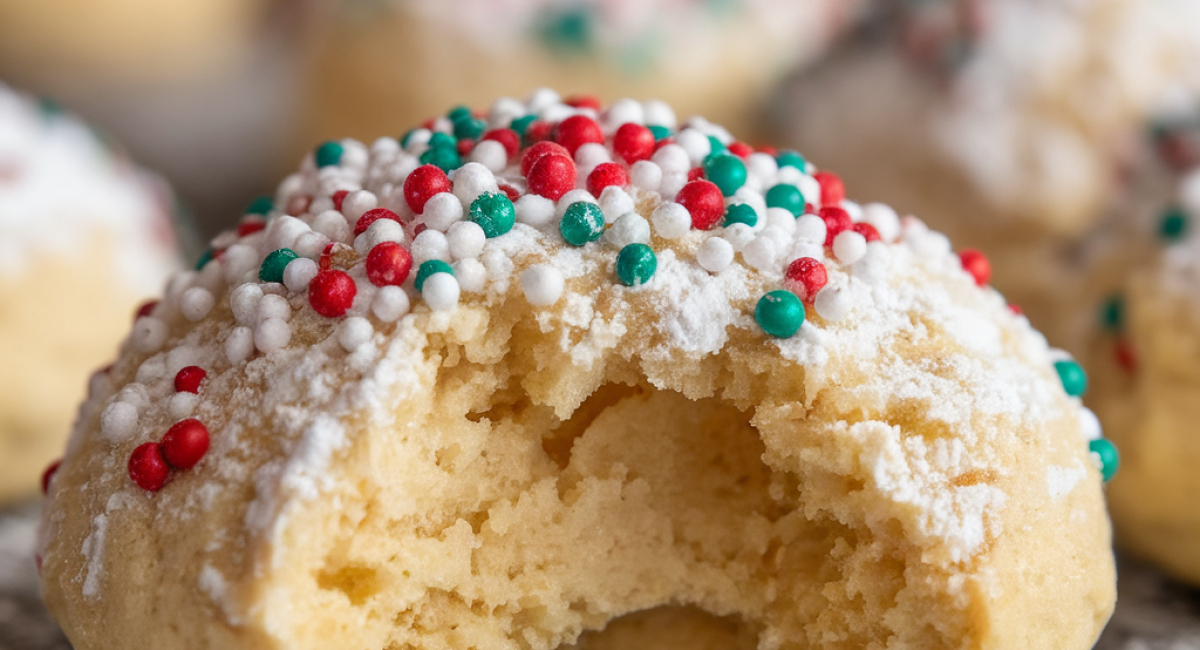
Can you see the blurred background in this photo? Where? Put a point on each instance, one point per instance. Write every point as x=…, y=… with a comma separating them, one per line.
x=1023, y=128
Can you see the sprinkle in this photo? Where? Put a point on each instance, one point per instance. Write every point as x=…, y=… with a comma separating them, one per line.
x=703, y=201
x=542, y=285
x=240, y=344
x=145, y=309
x=442, y=156
x=646, y=175
x=427, y=269
x=1112, y=313
x=975, y=263
x=188, y=379
x=636, y=264
x=273, y=306
x=490, y=154
x=388, y=263
x=390, y=303
x=147, y=467
x=1089, y=424
x=672, y=159
x=261, y=205
x=422, y=184
x=494, y=213
x=118, y=421
x=867, y=231
x=806, y=277
x=629, y=228
x=471, y=275
x=539, y=151
x=534, y=210
x=633, y=143
x=507, y=138
x=740, y=213
x=48, y=476
x=441, y=291
x=466, y=239
x=149, y=334
x=195, y=303
x=836, y=220
x=331, y=293
x=582, y=223
x=354, y=332
x=849, y=247
x=430, y=245
x=383, y=230
x=274, y=264
x=577, y=130
x=369, y=218
x=792, y=159
x=329, y=154
x=832, y=304
x=356, y=204
x=885, y=220
x=615, y=202
x=552, y=176
x=249, y=226
x=272, y=335
x=833, y=192
x=473, y=180
x=185, y=443
x=787, y=197
x=244, y=302
x=761, y=253
x=606, y=175
x=1107, y=459
x=726, y=171
x=715, y=255
x=1074, y=379
x=779, y=313
x=182, y=405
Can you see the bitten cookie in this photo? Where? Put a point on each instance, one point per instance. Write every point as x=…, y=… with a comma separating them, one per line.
x=500, y=392
x=85, y=236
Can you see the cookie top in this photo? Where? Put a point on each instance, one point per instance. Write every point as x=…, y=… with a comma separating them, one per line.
x=64, y=187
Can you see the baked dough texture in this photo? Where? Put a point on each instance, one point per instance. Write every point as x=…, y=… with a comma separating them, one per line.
x=85, y=237
x=510, y=463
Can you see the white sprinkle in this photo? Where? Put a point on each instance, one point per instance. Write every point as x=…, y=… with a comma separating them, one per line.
x=417, y=140
x=283, y=231
x=614, y=202
x=465, y=239
x=273, y=306
x=310, y=244
x=762, y=167
x=542, y=285
x=183, y=404
x=810, y=228
x=333, y=225
x=885, y=220
x=430, y=245
x=646, y=175
x=244, y=302
x=738, y=235
x=196, y=303
x=354, y=332
x=629, y=228
x=440, y=291
x=491, y=154
x=382, y=230
x=589, y=155
x=571, y=198
x=298, y=273
x=472, y=180
x=390, y=303
x=272, y=334
x=357, y=203
x=673, y=159
x=781, y=220
x=623, y=111
x=659, y=113
x=853, y=210
x=849, y=247
x=471, y=275
x=761, y=254
x=695, y=143
x=135, y=394
x=152, y=369
x=442, y=210
x=149, y=334
x=671, y=220
x=504, y=110
x=117, y=421
x=1089, y=424
x=237, y=261
x=671, y=184
x=832, y=303
x=240, y=344
x=534, y=210
x=715, y=254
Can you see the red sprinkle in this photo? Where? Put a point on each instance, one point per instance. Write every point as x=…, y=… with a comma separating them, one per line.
x=552, y=176
x=832, y=189
x=185, y=444
x=836, y=220
x=576, y=131
x=371, y=216
x=867, y=231
x=633, y=142
x=977, y=265
x=1126, y=358
x=148, y=468
x=606, y=175
x=662, y=143
x=48, y=475
x=250, y=225
x=511, y=192
x=465, y=146
x=537, y=131
x=740, y=149
x=338, y=198
x=704, y=201
x=423, y=183
x=145, y=309
x=299, y=205
x=767, y=149
x=805, y=277
x=331, y=293
x=388, y=263
x=188, y=379
x=695, y=174
x=506, y=137
x=539, y=151
x=1015, y=308
x=585, y=101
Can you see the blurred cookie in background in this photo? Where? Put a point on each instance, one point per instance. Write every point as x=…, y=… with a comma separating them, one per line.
x=383, y=65
x=200, y=90
x=1003, y=123
x=84, y=236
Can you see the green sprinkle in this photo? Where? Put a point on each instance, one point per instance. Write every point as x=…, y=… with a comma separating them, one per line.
x=1112, y=313
x=260, y=205
x=727, y=172
x=1074, y=379
x=469, y=128
x=274, y=264
x=1106, y=452
x=205, y=257
x=779, y=313
x=717, y=147
x=583, y=222
x=406, y=138
x=740, y=213
x=659, y=132
x=439, y=140
x=459, y=113
x=329, y=153
x=445, y=158
x=636, y=264
x=787, y=197
x=494, y=212
x=1173, y=225
x=792, y=159
x=521, y=124
x=429, y=268
x=568, y=31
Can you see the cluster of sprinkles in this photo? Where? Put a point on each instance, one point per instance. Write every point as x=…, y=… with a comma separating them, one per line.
x=361, y=235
